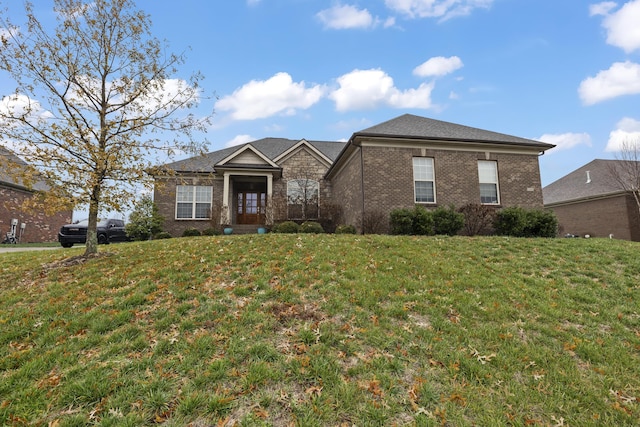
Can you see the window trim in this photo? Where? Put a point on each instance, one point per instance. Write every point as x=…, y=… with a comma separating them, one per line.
x=317, y=191
x=195, y=202
x=432, y=180
x=496, y=183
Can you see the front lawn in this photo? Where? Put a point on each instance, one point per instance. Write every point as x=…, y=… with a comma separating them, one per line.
x=323, y=330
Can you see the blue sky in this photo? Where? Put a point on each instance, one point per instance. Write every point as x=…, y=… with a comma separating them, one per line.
x=565, y=72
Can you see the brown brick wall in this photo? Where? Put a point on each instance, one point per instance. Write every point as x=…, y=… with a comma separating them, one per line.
x=39, y=226
x=347, y=190
x=599, y=218
x=388, y=178
x=164, y=195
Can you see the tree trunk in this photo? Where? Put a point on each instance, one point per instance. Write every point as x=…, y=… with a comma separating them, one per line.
x=92, y=235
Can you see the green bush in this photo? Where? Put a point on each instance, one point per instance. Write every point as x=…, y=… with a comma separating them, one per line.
x=191, y=232
x=422, y=221
x=518, y=222
x=311, y=227
x=145, y=220
x=345, y=229
x=162, y=235
x=401, y=221
x=286, y=227
x=447, y=221
x=416, y=221
x=541, y=223
x=210, y=231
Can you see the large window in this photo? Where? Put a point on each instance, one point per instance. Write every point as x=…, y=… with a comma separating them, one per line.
x=193, y=202
x=488, y=176
x=424, y=180
x=302, y=198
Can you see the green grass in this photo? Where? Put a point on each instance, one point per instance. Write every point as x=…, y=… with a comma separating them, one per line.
x=316, y=330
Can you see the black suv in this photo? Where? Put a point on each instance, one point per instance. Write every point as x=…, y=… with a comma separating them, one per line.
x=109, y=231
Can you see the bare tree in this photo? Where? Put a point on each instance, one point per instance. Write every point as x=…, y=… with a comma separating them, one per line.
x=302, y=198
x=95, y=105
x=625, y=172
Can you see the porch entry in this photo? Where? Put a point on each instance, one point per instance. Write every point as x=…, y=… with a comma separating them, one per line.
x=251, y=207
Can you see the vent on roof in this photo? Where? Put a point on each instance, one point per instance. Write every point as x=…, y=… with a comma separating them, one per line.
x=588, y=178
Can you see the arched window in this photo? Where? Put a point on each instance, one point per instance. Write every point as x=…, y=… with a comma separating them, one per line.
x=303, y=197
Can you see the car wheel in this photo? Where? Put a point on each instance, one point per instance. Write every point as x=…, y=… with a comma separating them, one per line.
x=102, y=239
x=66, y=245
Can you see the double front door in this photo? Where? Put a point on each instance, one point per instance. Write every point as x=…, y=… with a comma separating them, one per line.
x=250, y=207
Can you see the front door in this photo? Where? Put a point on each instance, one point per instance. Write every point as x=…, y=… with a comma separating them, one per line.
x=251, y=207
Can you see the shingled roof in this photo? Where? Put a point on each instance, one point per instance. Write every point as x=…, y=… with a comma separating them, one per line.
x=11, y=166
x=269, y=147
x=592, y=180
x=411, y=126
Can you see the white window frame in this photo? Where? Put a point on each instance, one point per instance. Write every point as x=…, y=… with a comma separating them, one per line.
x=424, y=171
x=488, y=175
x=196, y=196
x=300, y=183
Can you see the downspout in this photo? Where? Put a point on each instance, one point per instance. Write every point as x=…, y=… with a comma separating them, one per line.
x=362, y=186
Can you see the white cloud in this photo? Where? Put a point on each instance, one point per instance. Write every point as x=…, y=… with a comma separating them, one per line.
x=566, y=141
x=365, y=89
x=342, y=17
x=17, y=105
x=623, y=78
x=239, y=140
x=438, y=66
x=264, y=98
x=389, y=22
x=443, y=9
x=602, y=8
x=627, y=132
x=623, y=26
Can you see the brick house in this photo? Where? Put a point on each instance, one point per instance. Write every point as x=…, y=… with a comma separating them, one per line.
x=405, y=161
x=31, y=227
x=589, y=201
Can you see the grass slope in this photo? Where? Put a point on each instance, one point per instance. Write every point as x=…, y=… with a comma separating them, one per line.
x=324, y=330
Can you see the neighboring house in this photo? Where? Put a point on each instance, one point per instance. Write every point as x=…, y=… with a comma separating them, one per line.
x=30, y=227
x=406, y=161
x=588, y=201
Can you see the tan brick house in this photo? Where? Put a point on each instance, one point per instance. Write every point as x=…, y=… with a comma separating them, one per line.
x=589, y=201
x=31, y=227
x=405, y=161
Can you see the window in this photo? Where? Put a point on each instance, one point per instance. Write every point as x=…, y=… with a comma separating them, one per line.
x=488, y=176
x=193, y=202
x=423, y=180
x=302, y=198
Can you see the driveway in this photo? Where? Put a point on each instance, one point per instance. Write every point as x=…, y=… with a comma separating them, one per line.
x=11, y=248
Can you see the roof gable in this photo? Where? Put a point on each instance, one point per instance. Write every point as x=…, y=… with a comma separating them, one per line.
x=247, y=155
x=302, y=144
x=416, y=127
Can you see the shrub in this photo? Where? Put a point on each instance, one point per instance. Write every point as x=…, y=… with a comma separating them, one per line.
x=345, y=229
x=373, y=222
x=145, y=220
x=478, y=219
x=519, y=222
x=162, y=235
x=401, y=221
x=210, y=231
x=447, y=221
x=510, y=222
x=286, y=227
x=541, y=223
x=417, y=221
x=311, y=227
x=422, y=222
x=191, y=232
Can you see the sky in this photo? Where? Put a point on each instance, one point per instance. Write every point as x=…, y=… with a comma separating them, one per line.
x=565, y=72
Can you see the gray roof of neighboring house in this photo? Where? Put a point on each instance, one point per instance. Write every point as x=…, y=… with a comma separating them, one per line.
x=10, y=168
x=589, y=181
x=411, y=126
x=269, y=147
